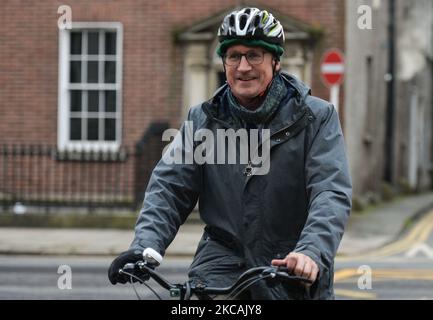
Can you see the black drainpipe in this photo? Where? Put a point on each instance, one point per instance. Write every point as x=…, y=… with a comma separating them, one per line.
x=390, y=97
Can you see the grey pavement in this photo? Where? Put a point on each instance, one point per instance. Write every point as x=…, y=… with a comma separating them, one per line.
x=383, y=224
x=365, y=231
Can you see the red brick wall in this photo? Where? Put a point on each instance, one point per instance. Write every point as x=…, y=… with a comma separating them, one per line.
x=152, y=62
x=152, y=74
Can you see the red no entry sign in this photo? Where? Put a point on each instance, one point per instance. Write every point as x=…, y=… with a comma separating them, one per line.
x=332, y=67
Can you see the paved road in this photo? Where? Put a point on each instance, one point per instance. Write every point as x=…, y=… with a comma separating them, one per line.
x=392, y=278
x=401, y=270
x=37, y=277
x=30, y=277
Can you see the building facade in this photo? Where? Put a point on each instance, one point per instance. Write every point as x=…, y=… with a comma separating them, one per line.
x=388, y=95
x=84, y=105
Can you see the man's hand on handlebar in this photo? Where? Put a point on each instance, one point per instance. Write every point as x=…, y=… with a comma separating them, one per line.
x=130, y=256
x=299, y=264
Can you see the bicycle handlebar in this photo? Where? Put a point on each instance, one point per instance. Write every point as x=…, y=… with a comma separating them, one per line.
x=186, y=290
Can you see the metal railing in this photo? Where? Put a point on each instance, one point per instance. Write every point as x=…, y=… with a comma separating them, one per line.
x=41, y=175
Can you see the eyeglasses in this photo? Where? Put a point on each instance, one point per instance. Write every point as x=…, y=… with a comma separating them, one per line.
x=254, y=57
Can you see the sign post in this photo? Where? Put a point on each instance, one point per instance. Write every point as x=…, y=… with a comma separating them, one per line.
x=332, y=71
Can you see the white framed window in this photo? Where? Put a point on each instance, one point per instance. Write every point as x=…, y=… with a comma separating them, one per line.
x=90, y=86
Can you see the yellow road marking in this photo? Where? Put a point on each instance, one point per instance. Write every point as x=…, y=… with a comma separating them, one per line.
x=418, y=234
x=345, y=274
x=378, y=275
x=355, y=294
x=402, y=274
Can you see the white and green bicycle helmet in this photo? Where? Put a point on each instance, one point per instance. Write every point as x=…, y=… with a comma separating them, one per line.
x=251, y=27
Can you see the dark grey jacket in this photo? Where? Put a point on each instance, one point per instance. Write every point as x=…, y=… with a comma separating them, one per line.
x=301, y=205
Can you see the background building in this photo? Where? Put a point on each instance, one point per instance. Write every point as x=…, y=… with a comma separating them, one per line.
x=83, y=109
x=389, y=96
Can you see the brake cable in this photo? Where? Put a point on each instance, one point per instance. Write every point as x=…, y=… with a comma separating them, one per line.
x=132, y=276
x=248, y=283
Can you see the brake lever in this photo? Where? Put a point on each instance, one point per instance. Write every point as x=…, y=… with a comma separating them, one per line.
x=134, y=269
x=284, y=271
x=129, y=267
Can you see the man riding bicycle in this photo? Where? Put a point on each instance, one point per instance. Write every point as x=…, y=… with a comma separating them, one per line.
x=294, y=214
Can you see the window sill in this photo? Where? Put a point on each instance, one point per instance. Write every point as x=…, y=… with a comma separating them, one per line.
x=93, y=156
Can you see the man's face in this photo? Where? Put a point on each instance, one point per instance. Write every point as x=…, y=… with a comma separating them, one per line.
x=248, y=80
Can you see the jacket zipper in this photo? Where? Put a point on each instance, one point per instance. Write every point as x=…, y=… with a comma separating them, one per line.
x=248, y=171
